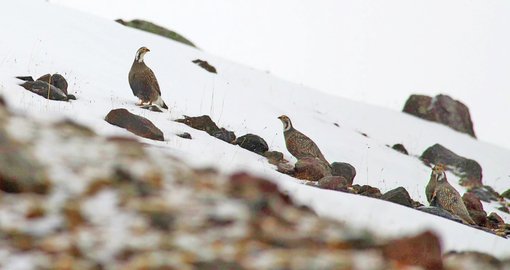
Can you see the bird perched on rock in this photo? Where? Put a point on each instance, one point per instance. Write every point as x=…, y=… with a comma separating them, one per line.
x=298, y=144
x=143, y=82
x=445, y=196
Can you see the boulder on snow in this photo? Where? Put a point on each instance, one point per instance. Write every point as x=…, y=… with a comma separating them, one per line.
x=185, y=135
x=343, y=169
x=398, y=195
x=334, y=183
x=400, y=148
x=475, y=208
x=494, y=221
x=253, y=143
x=441, y=109
x=469, y=170
x=156, y=29
x=49, y=86
x=367, y=190
x=136, y=124
x=205, y=65
x=205, y=123
x=311, y=169
x=422, y=250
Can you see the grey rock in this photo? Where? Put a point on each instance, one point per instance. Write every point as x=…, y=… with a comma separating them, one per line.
x=398, y=195
x=253, y=143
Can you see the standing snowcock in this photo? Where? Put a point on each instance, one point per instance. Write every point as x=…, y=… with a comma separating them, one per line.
x=143, y=82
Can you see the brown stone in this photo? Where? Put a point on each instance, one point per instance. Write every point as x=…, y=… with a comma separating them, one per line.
x=311, y=169
x=204, y=123
x=367, y=190
x=441, y=109
x=334, y=183
x=136, y=124
x=421, y=250
x=205, y=65
x=343, y=169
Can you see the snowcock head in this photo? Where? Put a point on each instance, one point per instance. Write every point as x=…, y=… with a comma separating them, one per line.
x=140, y=53
x=287, y=124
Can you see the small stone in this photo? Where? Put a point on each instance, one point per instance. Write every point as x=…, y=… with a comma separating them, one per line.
x=253, y=143
x=205, y=65
x=494, y=221
x=398, y=195
x=224, y=135
x=274, y=157
x=185, y=135
x=204, y=123
x=285, y=168
x=343, y=169
x=136, y=124
x=506, y=194
x=334, y=183
x=437, y=211
x=311, y=169
x=367, y=190
x=400, y=148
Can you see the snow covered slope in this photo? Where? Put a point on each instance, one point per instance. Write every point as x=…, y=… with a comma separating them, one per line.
x=96, y=54
x=377, y=52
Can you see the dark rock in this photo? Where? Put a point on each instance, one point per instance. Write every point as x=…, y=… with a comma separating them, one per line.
x=2, y=102
x=494, y=221
x=504, y=209
x=185, y=135
x=506, y=194
x=136, y=124
x=56, y=80
x=334, y=183
x=343, y=169
x=45, y=90
x=156, y=29
x=485, y=193
x=469, y=170
x=475, y=208
x=367, y=190
x=311, y=169
x=203, y=64
x=398, y=195
x=439, y=212
x=400, y=148
x=19, y=171
x=224, y=135
x=162, y=220
x=152, y=108
x=441, y=109
x=421, y=250
x=203, y=123
x=252, y=143
x=274, y=157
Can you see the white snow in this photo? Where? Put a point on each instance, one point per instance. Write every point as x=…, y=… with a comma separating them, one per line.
x=95, y=55
x=373, y=51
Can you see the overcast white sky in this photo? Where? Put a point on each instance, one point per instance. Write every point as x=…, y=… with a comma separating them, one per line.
x=374, y=51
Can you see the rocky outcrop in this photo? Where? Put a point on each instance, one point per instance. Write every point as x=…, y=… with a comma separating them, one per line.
x=441, y=109
x=205, y=123
x=343, y=169
x=398, y=195
x=468, y=170
x=311, y=169
x=49, y=86
x=138, y=125
x=421, y=250
x=205, y=65
x=253, y=143
x=156, y=29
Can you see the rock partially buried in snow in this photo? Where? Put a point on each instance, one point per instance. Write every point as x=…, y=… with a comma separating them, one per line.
x=205, y=65
x=185, y=135
x=442, y=109
x=334, y=183
x=224, y=135
x=136, y=124
x=311, y=169
x=400, y=148
x=205, y=123
x=469, y=170
x=343, y=169
x=398, y=195
x=421, y=250
x=437, y=211
x=253, y=143
x=367, y=190
x=275, y=157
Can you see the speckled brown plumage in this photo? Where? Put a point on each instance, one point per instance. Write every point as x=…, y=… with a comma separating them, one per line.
x=143, y=82
x=446, y=197
x=298, y=144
